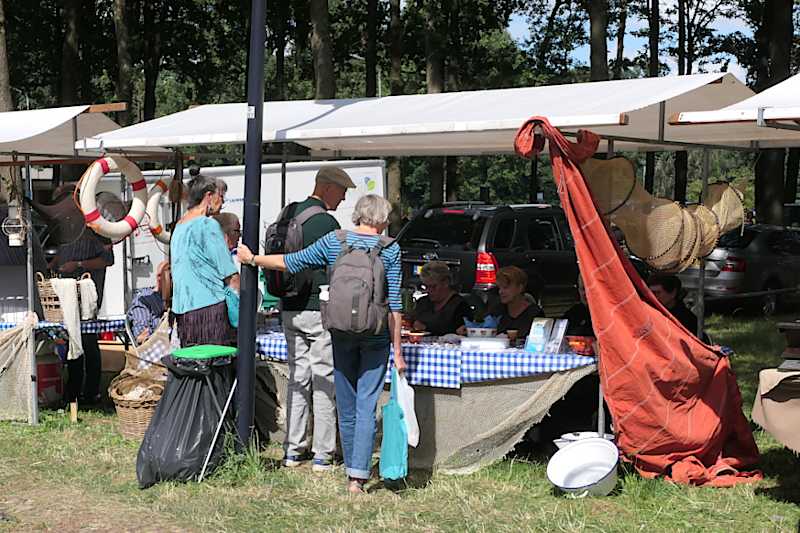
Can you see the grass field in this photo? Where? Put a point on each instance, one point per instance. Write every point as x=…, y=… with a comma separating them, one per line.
x=81, y=477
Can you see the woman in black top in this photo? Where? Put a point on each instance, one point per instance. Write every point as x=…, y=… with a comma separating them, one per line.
x=443, y=310
x=517, y=309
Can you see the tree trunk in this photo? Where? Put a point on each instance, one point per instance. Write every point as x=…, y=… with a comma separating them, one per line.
x=653, y=33
x=654, y=30
x=598, y=24
x=792, y=171
x=434, y=63
x=124, y=61
x=394, y=175
x=623, y=20
x=152, y=56
x=453, y=178
x=549, y=30
x=681, y=175
x=371, y=57
x=396, y=48
x=769, y=186
x=6, y=101
x=322, y=50
x=280, y=52
x=770, y=167
x=681, y=37
x=70, y=58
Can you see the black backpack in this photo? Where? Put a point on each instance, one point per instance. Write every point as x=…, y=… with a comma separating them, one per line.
x=284, y=236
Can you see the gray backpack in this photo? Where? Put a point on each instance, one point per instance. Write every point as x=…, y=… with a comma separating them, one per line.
x=357, y=301
x=285, y=235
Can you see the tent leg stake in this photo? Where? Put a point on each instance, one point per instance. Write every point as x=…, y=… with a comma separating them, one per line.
x=601, y=412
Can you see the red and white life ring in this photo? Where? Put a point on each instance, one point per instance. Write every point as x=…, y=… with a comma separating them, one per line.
x=156, y=229
x=88, y=185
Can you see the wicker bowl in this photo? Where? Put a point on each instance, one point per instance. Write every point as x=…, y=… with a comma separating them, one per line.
x=134, y=414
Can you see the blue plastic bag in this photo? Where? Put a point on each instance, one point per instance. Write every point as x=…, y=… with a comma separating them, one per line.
x=232, y=301
x=394, y=446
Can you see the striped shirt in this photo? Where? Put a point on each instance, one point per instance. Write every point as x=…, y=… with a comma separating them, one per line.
x=145, y=311
x=326, y=250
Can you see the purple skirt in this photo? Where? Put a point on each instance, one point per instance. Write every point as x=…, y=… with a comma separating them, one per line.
x=207, y=325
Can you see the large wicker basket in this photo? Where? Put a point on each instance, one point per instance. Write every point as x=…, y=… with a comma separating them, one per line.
x=51, y=305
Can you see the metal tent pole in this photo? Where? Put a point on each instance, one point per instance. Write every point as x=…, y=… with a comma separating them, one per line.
x=245, y=362
x=33, y=409
x=700, y=306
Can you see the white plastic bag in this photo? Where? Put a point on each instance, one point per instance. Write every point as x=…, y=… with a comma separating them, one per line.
x=405, y=397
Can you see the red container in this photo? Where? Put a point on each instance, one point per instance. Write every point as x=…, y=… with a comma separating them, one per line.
x=106, y=335
x=49, y=385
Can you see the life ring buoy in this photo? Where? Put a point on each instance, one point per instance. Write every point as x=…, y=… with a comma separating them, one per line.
x=156, y=229
x=88, y=185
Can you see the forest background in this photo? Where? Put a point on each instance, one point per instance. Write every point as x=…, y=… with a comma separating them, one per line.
x=162, y=56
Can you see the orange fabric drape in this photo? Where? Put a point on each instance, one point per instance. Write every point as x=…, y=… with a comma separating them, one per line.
x=675, y=403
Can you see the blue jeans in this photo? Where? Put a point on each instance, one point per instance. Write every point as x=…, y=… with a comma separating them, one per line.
x=359, y=369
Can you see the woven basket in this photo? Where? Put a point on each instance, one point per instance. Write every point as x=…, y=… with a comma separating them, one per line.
x=134, y=415
x=51, y=305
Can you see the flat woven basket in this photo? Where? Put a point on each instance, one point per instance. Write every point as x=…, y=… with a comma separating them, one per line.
x=51, y=305
x=134, y=414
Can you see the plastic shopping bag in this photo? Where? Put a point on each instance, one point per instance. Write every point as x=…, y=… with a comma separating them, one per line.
x=394, y=446
x=405, y=397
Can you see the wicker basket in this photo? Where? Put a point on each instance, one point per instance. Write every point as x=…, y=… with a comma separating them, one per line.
x=134, y=415
x=51, y=305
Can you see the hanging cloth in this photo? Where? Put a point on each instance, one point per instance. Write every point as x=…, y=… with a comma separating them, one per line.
x=675, y=403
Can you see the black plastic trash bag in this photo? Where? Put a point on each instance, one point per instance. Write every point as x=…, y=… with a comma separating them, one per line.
x=180, y=433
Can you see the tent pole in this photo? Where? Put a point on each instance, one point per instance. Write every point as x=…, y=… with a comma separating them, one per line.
x=610, y=148
x=246, y=362
x=283, y=175
x=533, y=185
x=700, y=307
x=33, y=413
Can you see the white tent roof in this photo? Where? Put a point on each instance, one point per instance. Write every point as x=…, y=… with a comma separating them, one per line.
x=459, y=123
x=778, y=103
x=48, y=132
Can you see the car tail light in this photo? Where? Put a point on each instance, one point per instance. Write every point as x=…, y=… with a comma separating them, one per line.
x=734, y=264
x=486, y=268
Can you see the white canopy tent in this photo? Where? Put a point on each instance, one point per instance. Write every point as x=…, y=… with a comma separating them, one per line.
x=51, y=133
x=634, y=112
x=49, y=136
x=758, y=116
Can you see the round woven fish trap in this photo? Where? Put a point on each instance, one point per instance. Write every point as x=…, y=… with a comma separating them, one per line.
x=708, y=226
x=690, y=245
x=611, y=181
x=653, y=230
x=726, y=202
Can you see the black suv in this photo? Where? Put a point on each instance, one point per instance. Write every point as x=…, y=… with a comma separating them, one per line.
x=477, y=239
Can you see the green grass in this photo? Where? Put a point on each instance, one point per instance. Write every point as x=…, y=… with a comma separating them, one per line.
x=67, y=477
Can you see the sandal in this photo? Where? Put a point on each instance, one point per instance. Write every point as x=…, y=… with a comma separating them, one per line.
x=356, y=486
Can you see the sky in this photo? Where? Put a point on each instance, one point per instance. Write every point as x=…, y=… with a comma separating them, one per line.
x=518, y=28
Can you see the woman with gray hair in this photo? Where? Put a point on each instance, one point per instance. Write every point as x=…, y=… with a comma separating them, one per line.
x=201, y=268
x=442, y=310
x=359, y=360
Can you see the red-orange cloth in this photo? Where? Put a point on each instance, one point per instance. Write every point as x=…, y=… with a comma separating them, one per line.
x=675, y=403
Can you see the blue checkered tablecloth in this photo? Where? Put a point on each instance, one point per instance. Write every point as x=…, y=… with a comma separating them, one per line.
x=434, y=365
x=504, y=364
x=87, y=326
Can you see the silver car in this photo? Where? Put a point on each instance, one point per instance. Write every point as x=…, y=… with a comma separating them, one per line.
x=758, y=266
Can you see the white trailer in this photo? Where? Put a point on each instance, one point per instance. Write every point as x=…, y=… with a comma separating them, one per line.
x=144, y=253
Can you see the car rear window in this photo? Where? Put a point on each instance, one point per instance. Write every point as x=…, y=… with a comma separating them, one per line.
x=736, y=239
x=444, y=229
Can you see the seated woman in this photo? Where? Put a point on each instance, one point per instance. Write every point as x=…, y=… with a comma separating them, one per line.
x=516, y=309
x=443, y=310
x=148, y=306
